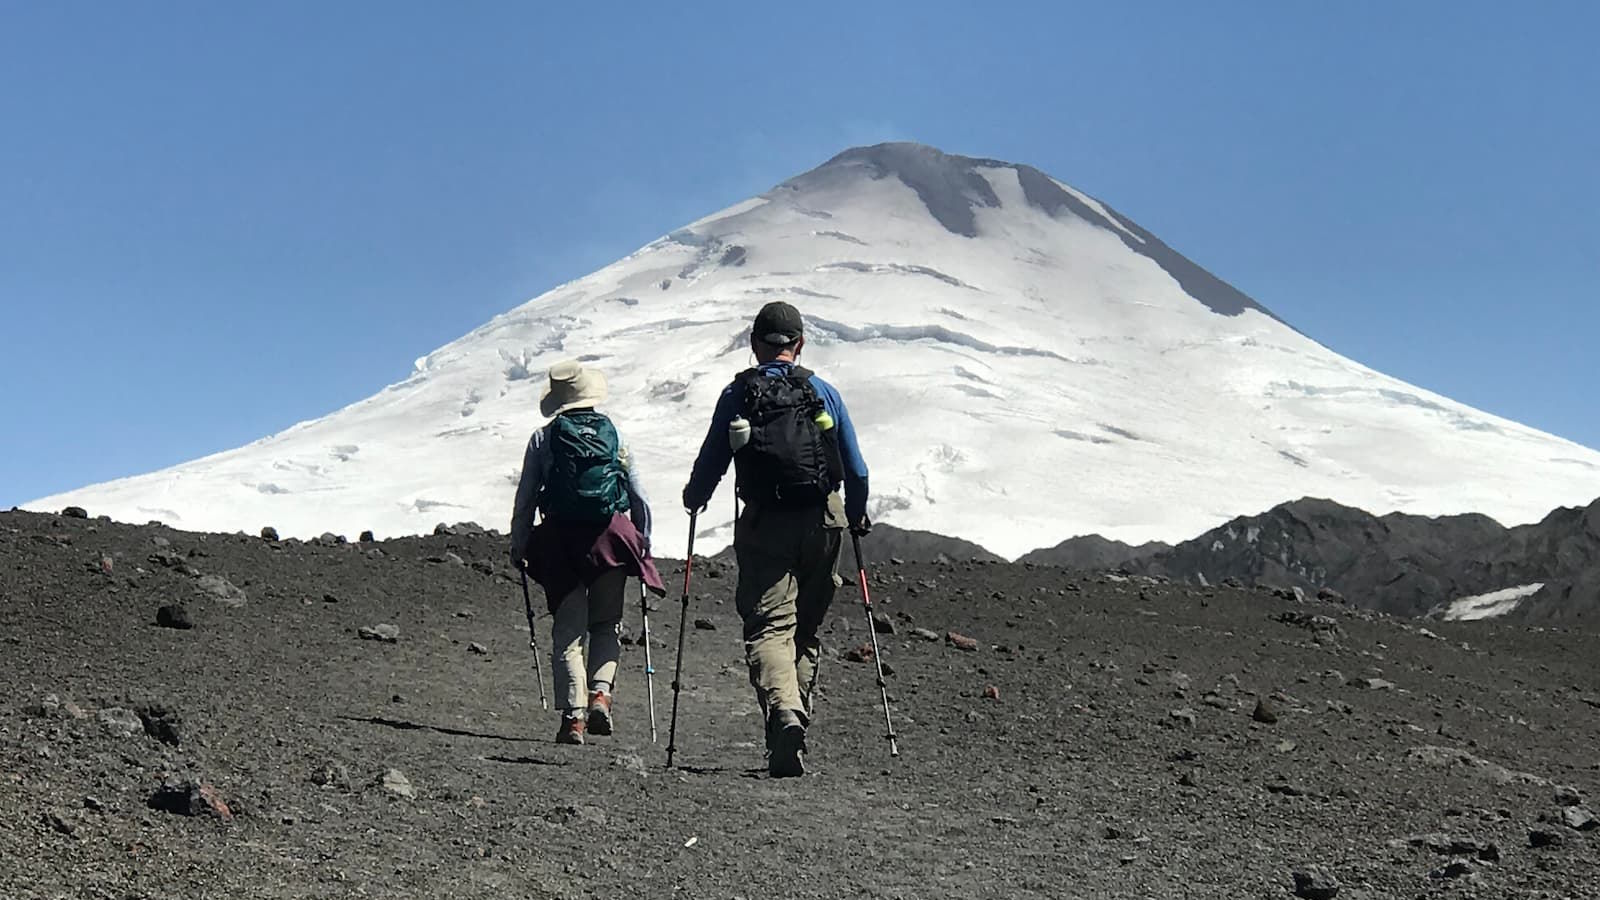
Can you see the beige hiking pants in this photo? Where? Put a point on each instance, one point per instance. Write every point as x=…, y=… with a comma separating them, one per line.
x=594, y=613
x=787, y=560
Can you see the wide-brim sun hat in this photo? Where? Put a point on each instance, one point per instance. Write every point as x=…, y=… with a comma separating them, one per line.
x=572, y=387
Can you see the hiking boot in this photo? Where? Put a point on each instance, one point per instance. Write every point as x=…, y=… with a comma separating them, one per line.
x=571, y=731
x=599, y=713
x=786, y=744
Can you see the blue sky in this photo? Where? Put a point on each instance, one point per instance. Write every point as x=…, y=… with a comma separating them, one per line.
x=217, y=219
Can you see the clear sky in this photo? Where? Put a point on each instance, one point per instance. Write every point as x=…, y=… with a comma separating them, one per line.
x=219, y=219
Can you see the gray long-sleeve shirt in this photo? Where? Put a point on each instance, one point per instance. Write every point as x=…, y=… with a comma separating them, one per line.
x=536, y=462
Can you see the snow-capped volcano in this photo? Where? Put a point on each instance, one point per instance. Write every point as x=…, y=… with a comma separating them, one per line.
x=1022, y=362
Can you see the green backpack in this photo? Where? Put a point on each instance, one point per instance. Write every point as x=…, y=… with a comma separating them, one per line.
x=587, y=482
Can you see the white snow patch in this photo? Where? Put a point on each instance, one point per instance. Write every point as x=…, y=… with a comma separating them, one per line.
x=1491, y=605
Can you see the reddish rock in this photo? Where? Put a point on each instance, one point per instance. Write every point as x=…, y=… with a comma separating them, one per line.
x=991, y=693
x=191, y=798
x=861, y=654
x=961, y=641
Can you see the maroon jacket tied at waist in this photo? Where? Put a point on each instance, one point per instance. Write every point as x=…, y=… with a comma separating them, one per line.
x=564, y=555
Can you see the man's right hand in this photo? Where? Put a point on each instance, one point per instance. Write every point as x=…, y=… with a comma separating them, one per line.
x=689, y=504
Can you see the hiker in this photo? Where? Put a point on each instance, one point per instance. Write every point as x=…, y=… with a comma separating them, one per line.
x=593, y=532
x=792, y=444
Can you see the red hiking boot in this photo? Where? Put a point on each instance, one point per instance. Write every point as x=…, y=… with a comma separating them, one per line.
x=571, y=731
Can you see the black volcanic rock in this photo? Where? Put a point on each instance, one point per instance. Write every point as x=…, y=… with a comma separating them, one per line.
x=174, y=615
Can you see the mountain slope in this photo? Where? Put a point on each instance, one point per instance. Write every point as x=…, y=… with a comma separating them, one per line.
x=1023, y=363
x=1454, y=567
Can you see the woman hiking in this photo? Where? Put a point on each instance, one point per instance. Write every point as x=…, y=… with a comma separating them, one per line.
x=593, y=533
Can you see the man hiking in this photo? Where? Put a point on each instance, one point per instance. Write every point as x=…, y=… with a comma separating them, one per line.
x=792, y=444
x=593, y=532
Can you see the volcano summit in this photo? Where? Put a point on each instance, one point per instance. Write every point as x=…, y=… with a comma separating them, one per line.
x=1023, y=362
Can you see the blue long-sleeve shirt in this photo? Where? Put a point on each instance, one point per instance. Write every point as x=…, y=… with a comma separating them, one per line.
x=716, y=453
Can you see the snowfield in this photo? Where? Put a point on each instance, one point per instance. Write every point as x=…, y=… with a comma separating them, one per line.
x=1491, y=605
x=1022, y=364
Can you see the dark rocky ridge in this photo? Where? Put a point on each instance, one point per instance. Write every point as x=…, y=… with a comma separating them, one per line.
x=1397, y=563
x=1103, y=738
x=951, y=188
x=1091, y=552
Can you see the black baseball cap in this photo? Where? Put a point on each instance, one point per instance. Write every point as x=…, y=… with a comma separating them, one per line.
x=778, y=323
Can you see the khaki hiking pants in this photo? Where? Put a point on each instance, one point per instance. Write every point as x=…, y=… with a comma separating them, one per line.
x=787, y=560
x=592, y=612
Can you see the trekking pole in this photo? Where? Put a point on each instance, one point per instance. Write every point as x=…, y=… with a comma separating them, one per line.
x=649, y=668
x=533, y=642
x=683, y=622
x=866, y=602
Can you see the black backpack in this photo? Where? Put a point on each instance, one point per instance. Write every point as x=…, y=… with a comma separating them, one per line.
x=791, y=460
x=587, y=482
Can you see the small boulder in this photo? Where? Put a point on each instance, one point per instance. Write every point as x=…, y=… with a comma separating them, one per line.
x=190, y=798
x=1315, y=883
x=632, y=763
x=269, y=533
x=861, y=654
x=223, y=590
x=1265, y=712
x=160, y=722
x=961, y=642
x=1455, y=868
x=121, y=722
x=443, y=530
x=705, y=625
x=1544, y=837
x=366, y=537
x=75, y=512
x=60, y=823
x=581, y=814
x=332, y=775
x=478, y=648
x=1566, y=795
x=991, y=692
x=925, y=634
x=384, y=632
x=1578, y=819
x=395, y=782
x=1183, y=717
x=882, y=624
x=174, y=615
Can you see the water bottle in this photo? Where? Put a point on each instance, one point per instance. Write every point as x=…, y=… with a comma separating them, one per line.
x=738, y=433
